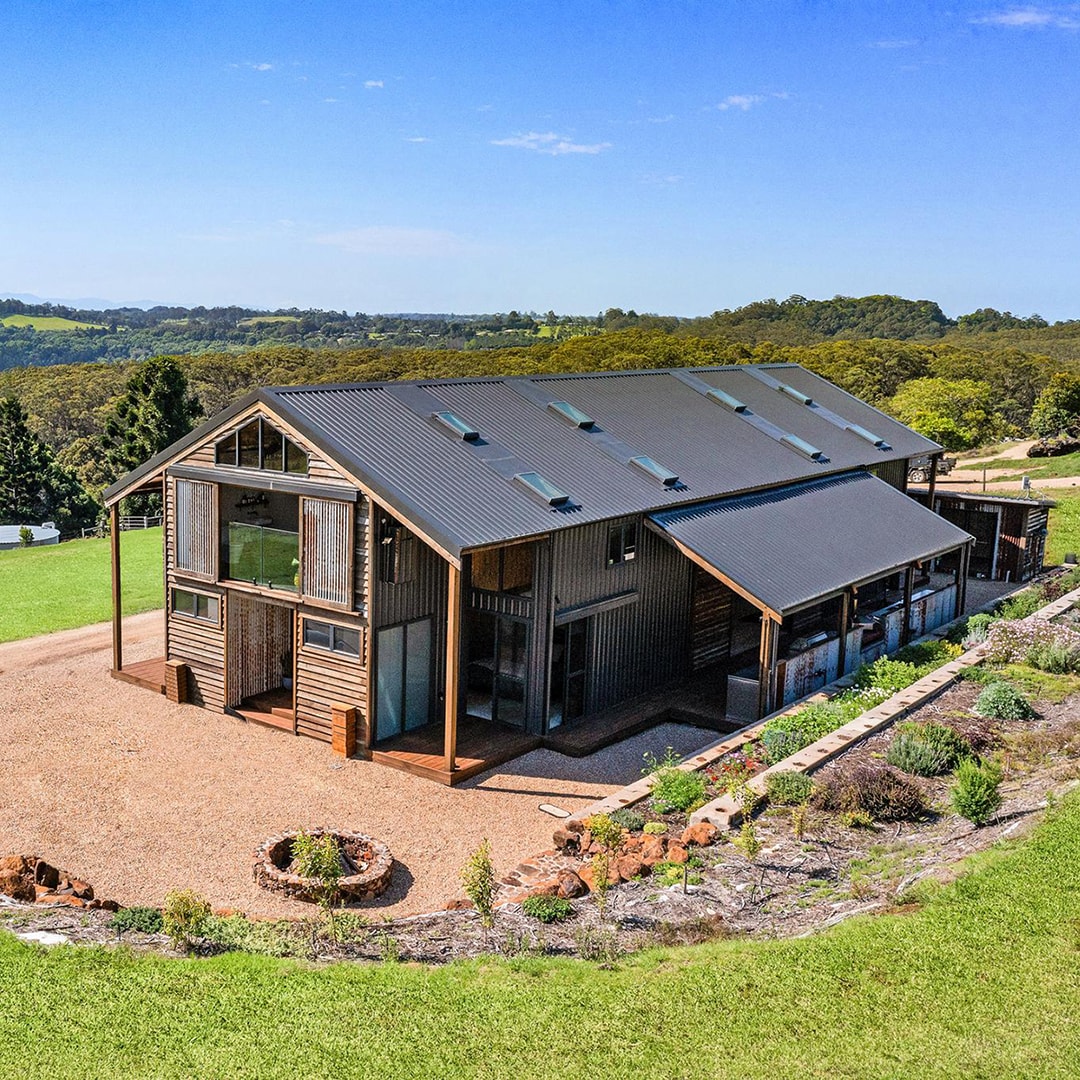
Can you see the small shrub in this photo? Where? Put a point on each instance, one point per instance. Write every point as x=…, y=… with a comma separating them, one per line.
x=677, y=790
x=788, y=788
x=975, y=794
x=881, y=791
x=317, y=856
x=547, y=909
x=478, y=880
x=26, y=536
x=673, y=873
x=143, y=920
x=599, y=944
x=605, y=830
x=1022, y=605
x=654, y=828
x=601, y=868
x=945, y=740
x=183, y=917
x=389, y=949
x=799, y=815
x=887, y=674
x=786, y=735
x=747, y=841
x=1056, y=658
x=628, y=819
x=1002, y=701
x=971, y=630
x=857, y=819
x=910, y=754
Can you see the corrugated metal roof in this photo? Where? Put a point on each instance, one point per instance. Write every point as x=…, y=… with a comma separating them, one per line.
x=792, y=545
x=462, y=492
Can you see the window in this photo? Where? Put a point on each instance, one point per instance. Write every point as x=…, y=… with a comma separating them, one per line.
x=196, y=527
x=507, y=569
x=397, y=553
x=622, y=543
x=343, y=640
x=196, y=605
x=259, y=445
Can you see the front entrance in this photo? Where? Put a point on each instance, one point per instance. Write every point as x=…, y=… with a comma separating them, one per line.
x=497, y=668
x=259, y=663
x=403, y=678
x=569, y=672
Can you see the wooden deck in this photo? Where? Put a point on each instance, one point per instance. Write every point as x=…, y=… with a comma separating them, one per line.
x=274, y=708
x=149, y=674
x=481, y=745
x=698, y=700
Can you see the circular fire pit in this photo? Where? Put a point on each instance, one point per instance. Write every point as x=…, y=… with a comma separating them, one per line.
x=366, y=867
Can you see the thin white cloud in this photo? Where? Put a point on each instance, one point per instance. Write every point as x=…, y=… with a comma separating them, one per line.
x=662, y=179
x=549, y=143
x=1033, y=18
x=660, y=119
x=894, y=43
x=743, y=102
x=331, y=101
x=417, y=139
x=392, y=240
x=373, y=84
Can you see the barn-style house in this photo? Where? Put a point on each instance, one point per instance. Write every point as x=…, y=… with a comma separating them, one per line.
x=443, y=574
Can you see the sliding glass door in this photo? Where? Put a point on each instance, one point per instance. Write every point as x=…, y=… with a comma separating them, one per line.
x=403, y=679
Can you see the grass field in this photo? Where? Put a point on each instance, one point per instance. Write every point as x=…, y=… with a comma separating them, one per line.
x=982, y=981
x=1064, y=529
x=1036, y=468
x=49, y=322
x=66, y=585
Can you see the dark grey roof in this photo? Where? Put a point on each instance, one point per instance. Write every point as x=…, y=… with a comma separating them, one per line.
x=463, y=494
x=790, y=546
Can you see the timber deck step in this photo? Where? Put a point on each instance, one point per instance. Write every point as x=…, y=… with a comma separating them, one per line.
x=274, y=708
x=149, y=674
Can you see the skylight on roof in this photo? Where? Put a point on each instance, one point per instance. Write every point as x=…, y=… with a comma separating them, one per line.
x=802, y=446
x=869, y=436
x=729, y=402
x=574, y=415
x=453, y=423
x=795, y=395
x=539, y=486
x=655, y=469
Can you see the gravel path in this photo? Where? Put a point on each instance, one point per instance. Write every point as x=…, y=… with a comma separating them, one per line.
x=139, y=796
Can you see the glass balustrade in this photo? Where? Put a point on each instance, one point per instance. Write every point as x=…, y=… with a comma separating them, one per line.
x=262, y=555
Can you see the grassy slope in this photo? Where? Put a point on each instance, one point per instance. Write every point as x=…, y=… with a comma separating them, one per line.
x=983, y=981
x=67, y=585
x=1064, y=529
x=49, y=322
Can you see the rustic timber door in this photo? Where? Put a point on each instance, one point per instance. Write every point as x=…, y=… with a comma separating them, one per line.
x=259, y=654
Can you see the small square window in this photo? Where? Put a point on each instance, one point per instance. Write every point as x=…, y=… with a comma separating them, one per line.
x=622, y=543
x=196, y=605
x=317, y=634
x=346, y=641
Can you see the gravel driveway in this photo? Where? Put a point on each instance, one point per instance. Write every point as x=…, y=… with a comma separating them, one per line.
x=139, y=796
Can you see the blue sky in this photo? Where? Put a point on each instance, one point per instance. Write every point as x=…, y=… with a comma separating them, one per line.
x=669, y=157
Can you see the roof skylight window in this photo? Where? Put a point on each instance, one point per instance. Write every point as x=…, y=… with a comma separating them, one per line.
x=729, y=402
x=453, y=423
x=573, y=415
x=795, y=395
x=539, y=486
x=655, y=469
x=869, y=436
x=803, y=447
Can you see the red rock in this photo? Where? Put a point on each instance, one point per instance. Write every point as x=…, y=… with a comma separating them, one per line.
x=652, y=850
x=677, y=853
x=631, y=844
x=702, y=834
x=569, y=885
x=104, y=905
x=574, y=825
x=46, y=875
x=567, y=840
x=16, y=886
x=55, y=900
x=459, y=904
x=82, y=889
x=547, y=888
x=588, y=875
x=629, y=867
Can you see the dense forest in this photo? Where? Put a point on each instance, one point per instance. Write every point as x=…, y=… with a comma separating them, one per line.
x=73, y=427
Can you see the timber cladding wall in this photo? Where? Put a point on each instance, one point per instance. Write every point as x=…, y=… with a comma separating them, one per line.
x=710, y=621
x=324, y=679
x=201, y=645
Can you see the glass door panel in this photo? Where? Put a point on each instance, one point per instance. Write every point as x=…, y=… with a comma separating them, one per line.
x=390, y=689
x=417, y=673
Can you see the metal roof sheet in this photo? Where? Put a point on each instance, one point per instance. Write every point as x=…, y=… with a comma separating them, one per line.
x=790, y=546
x=460, y=491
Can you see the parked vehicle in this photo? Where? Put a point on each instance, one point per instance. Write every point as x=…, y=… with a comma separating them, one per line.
x=919, y=468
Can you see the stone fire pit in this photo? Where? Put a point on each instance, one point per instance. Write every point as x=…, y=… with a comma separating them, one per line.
x=366, y=867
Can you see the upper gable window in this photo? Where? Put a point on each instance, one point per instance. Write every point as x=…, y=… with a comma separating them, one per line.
x=259, y=445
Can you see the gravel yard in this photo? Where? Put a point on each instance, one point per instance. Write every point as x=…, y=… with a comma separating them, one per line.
x=140, y=796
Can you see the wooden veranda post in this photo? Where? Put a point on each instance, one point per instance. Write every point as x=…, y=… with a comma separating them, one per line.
x=767, y=654
x=114, y=548
x=453, y=663
x=909, y=585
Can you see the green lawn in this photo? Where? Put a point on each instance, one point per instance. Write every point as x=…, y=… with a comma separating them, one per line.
x=1064, y=529
x=66, y=585
x=49, y=322
x=983, y=981
x=1036, y=468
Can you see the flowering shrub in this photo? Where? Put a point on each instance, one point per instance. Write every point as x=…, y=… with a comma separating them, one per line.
x=1002, y=701
x=1034, y=641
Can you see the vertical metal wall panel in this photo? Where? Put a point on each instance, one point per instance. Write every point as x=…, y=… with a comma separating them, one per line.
x=325, y=561
x=196, y=527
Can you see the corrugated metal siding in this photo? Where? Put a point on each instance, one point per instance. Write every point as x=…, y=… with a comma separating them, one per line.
x=200, y=645
x=195, y=518
x=710, y=620
x=327, y=537
x=790, y=546
x=894, y=473
x=444, y=485
x=259, y=636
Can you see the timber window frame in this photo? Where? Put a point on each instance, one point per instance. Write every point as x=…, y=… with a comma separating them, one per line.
x=191, y=604
x=333, y=638
x=260, y=445
x=622, y=543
